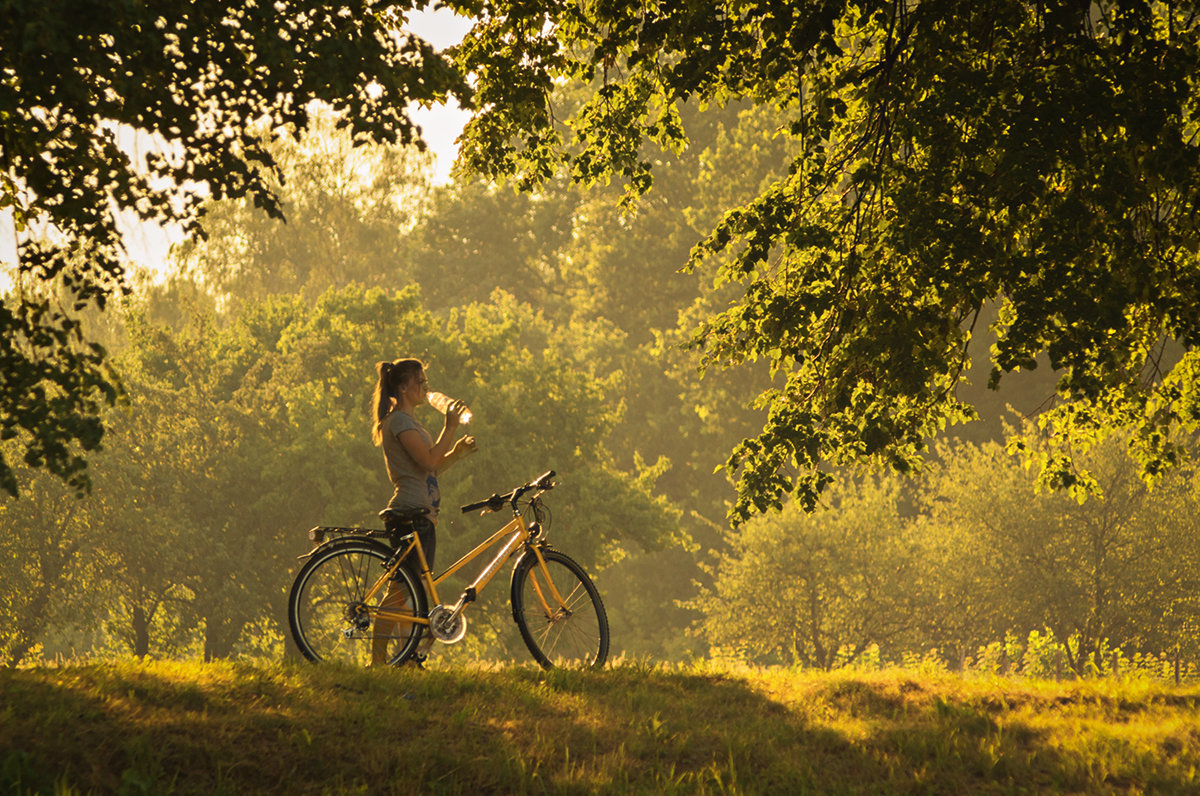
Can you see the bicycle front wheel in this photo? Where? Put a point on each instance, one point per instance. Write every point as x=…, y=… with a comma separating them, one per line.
x=335, y=618
x=558, y=611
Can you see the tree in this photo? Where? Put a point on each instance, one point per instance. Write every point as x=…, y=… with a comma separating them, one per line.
x=1042, y=155
x=478, y=238
x=190, y=476
x=817, y=589
x=78, y=77
x=1116, y=570
x=43, y=563
x=149, y=543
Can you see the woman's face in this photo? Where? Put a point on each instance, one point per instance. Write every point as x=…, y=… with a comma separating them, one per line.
x=417, y=388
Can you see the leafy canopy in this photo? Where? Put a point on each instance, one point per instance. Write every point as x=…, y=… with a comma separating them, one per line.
x=952, y=155
x=79, y=76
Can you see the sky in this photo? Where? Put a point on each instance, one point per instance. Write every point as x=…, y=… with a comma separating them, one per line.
x=148, y=243
x=440, y=125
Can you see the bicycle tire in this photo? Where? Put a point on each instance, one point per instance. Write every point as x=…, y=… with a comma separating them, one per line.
x=326, y=614
x=577, y=638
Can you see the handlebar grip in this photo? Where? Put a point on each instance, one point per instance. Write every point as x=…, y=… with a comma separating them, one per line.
x=543, y=480
x=494, y=503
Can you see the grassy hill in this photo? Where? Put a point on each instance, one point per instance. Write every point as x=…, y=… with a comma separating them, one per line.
x=292, y=728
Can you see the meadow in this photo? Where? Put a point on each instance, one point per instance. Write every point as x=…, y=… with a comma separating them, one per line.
x=179, y=727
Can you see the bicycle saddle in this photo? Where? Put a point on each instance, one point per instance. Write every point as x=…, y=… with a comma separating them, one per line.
x=400, y=516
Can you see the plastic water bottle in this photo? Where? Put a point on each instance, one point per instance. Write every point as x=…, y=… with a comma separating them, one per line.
x=441, y=402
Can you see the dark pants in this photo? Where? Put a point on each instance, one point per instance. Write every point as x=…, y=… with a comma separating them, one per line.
x=426, y=532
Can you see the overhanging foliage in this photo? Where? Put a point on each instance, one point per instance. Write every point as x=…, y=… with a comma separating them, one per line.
x=199, y=78
x=1039, y=155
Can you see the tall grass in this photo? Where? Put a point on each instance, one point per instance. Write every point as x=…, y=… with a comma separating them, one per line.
x=243, y=728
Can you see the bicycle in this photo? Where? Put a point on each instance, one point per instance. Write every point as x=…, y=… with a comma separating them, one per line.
x=362, y=595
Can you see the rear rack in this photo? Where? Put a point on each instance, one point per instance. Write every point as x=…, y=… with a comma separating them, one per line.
x=323, y=533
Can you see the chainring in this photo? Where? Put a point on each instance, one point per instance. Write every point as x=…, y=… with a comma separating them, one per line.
x=445, y=626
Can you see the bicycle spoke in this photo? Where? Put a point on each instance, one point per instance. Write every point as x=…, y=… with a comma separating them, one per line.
x=352, y=568
x=564, y=627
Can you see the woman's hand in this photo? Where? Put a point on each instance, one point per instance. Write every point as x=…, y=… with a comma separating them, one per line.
x=454, y=414
x=465, y=446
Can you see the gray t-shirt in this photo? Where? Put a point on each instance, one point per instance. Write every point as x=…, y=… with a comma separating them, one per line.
x=415, y=486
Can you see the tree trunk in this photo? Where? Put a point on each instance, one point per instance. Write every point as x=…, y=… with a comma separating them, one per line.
x=219, y=637
x=141, y=632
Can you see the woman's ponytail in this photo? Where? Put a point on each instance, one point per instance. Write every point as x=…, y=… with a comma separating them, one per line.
x=391, y=377
x=381, y=400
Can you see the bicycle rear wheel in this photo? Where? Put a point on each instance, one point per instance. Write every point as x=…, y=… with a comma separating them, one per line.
x=331, y=619
x=572, y=632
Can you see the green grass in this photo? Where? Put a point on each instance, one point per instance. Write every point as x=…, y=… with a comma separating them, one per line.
x=292, y=728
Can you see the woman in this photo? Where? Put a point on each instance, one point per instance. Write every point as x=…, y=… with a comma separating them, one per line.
x=412, y=457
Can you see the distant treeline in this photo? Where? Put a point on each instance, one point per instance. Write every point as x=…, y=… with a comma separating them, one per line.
x=968, y=564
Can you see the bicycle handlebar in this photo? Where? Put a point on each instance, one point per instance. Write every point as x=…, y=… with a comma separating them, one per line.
x=496, y=502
